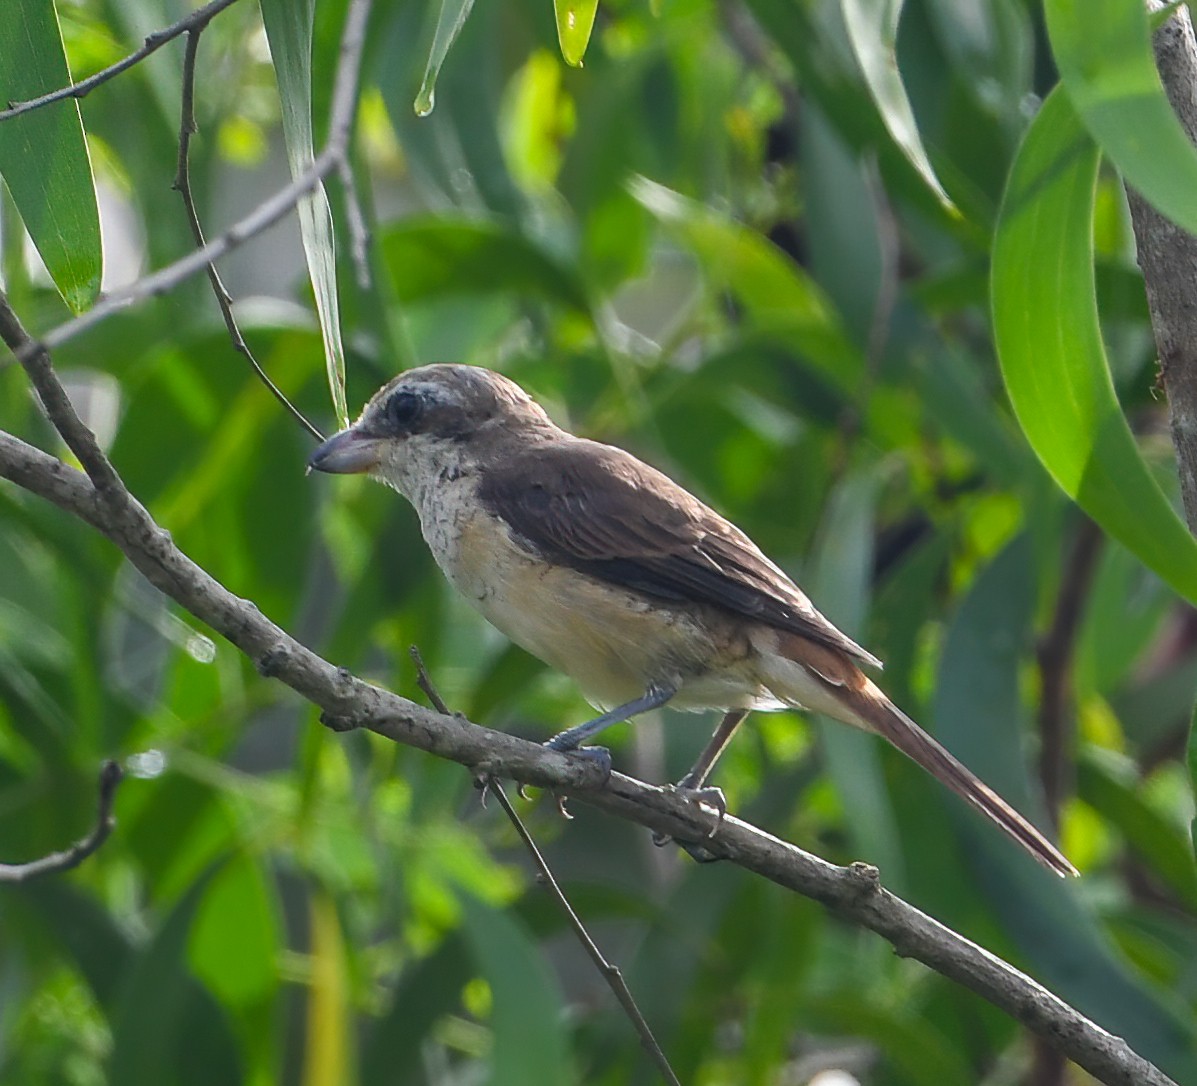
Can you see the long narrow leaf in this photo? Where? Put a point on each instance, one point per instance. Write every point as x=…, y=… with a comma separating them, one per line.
x=1103, y=51
x=778, y=296
x=873, y=31
x=289, y=31
x=529, y=1042
x=575, y=21
x=449, y=21
x=1050, y=347
x=43, y=154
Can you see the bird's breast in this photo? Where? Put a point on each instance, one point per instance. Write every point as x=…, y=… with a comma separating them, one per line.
x=611, y=641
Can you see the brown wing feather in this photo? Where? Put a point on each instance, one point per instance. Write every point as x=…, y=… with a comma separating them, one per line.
x=605, y=513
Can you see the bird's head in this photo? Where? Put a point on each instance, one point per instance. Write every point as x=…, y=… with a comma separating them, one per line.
x=429, y=420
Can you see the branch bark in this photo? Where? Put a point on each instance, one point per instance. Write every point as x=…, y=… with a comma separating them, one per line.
x=1168, y=256
x=56, y=862
x=853, y=893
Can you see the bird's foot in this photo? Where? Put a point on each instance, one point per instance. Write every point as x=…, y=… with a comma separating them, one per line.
x=599, y=756
x=707, y=798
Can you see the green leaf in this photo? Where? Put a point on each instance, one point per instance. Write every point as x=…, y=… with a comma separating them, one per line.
x=978, y=710
x=289, y=31
x=1103, y=52
x=428, y=989
x=776, y=293
x=166, y=1028
x=328, y=1047
x=236, y=958
x=444, y=257
x=43, y=154
x=575, y=21
x=1051, y=353
x=526, y=1021
x=873, y=31
x=1111, y=786
x=449, y=21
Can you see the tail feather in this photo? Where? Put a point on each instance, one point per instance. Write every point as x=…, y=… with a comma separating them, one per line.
x=828, y=681
x=889, y=721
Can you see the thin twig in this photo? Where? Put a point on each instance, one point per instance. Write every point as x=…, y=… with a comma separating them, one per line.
x=182, y=185
x=612, y=974
x=267, y=213
x=110, y=777
x=1055, y=655
x=57, y=405
x=359, y=235
x=153, y=42
x=425, y=683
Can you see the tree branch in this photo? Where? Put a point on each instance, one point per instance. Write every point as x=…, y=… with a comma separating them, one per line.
x=1168, y=256
x=854, y=893
x=1057, y=714
x=110, y=777
x=153, y=42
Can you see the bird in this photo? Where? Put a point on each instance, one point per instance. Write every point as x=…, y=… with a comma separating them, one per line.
x=609, y=571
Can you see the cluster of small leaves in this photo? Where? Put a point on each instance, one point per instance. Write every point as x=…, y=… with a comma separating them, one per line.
x=740, y=244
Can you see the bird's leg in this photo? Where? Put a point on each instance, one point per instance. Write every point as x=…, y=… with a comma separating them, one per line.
x=653, y=698
x=696, y=779
x=694, y=783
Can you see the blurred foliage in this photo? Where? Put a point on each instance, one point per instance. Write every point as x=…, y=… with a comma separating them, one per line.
x=722, y=243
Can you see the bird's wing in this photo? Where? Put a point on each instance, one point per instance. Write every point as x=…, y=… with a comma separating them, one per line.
x=601, y=511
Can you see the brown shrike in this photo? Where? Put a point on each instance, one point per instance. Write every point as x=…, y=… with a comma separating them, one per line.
x=609, y=571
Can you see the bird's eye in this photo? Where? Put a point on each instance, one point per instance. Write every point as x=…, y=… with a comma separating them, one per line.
x=403, y=408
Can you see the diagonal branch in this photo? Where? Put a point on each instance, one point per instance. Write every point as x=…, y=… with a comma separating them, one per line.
x=153, y=42
x=110, y=777
x=854, y=893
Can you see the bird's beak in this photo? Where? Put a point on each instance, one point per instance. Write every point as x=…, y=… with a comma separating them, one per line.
x=348, y=453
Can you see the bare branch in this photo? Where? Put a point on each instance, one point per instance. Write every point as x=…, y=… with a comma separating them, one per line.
x=182, y=185
x=610, y=973
x=359, y=236
x=854, y=893
x=79, y=439
x=110, y=777
x=153, y=42
x=1055, y=654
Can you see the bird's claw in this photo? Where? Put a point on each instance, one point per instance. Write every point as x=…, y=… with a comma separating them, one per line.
x=708, y=798
x=599, y=756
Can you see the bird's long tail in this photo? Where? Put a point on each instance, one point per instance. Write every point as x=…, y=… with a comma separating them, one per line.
x=868, y=707
x=889, y=721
